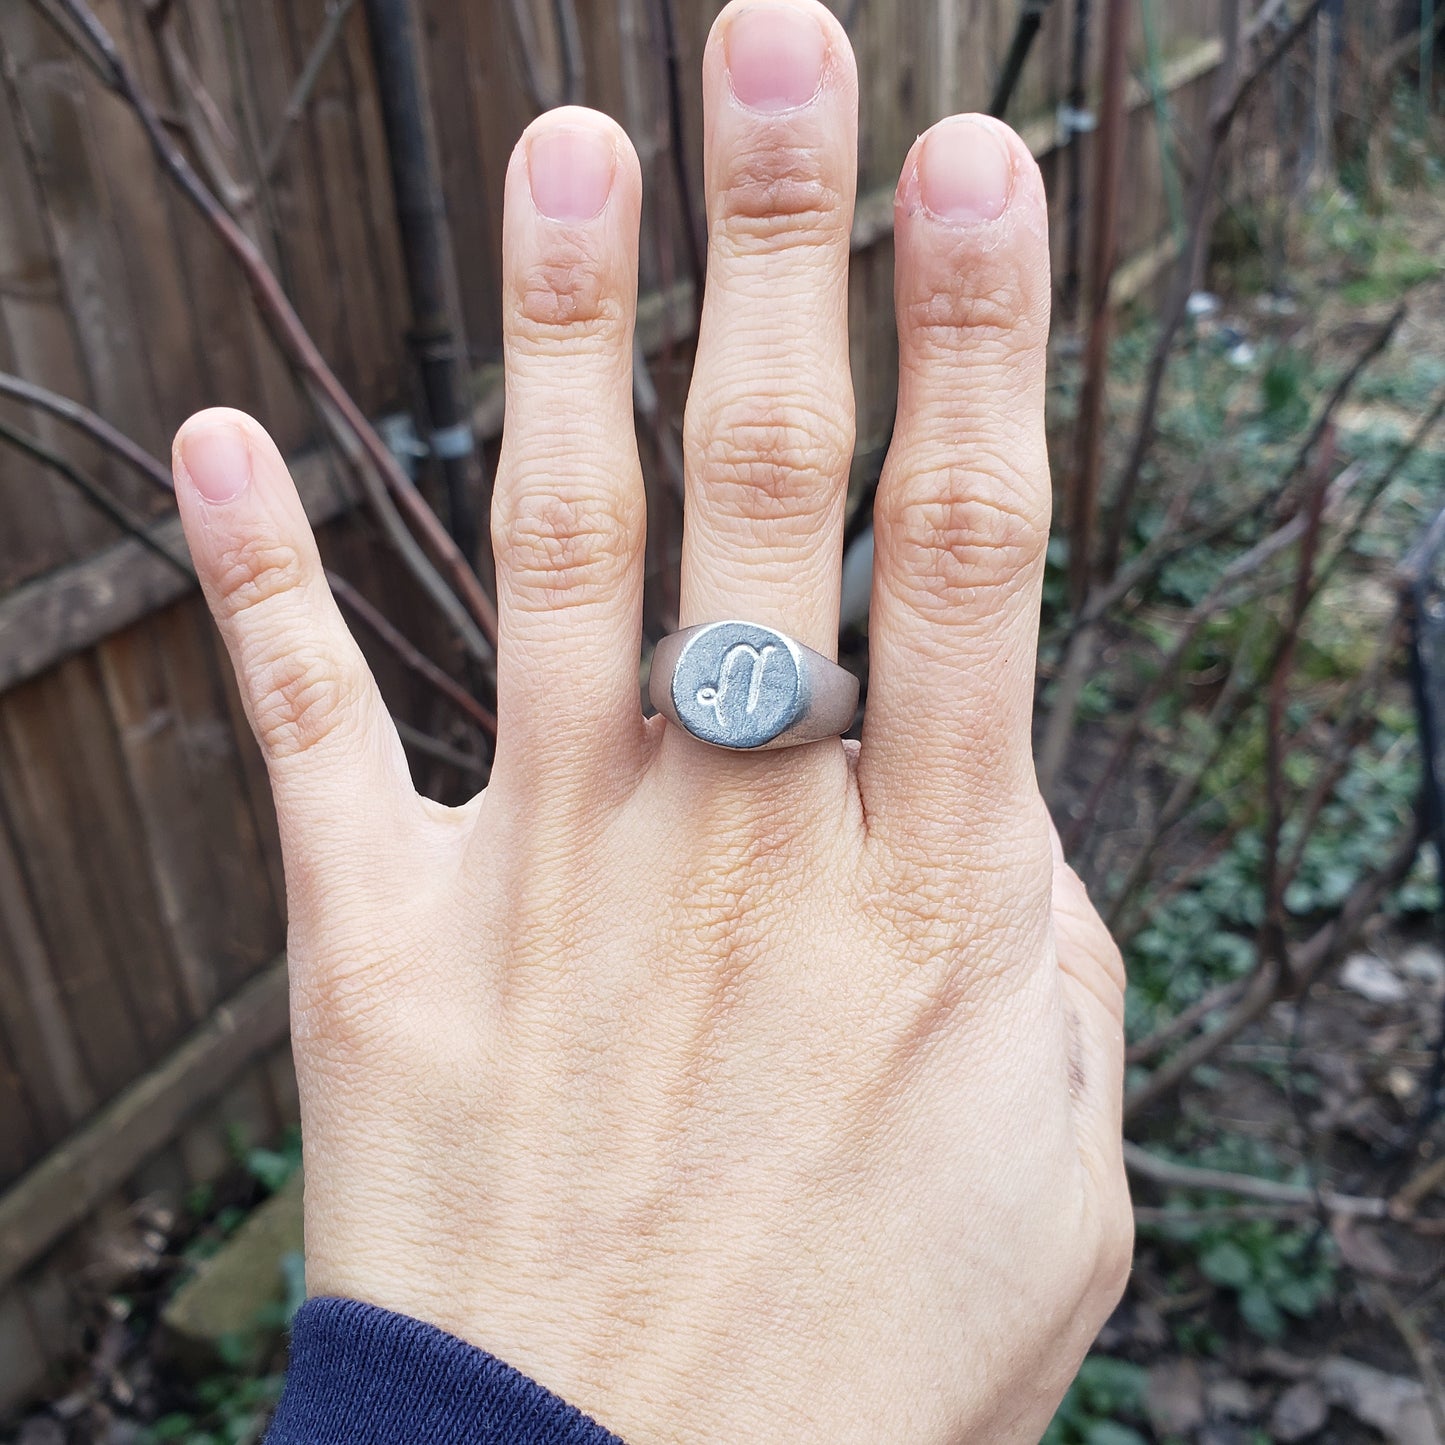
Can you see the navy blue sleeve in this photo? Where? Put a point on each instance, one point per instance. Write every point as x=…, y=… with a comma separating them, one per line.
x=363, y=1376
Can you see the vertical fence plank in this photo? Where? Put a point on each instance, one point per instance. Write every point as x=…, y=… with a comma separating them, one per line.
x=58, y=133
x=247, y=930
x=293, y=193
x=376, y=203
x=65, y=783
x=22, y=1363
x=218, y=47
x=479, y=113
x=20, y=1136
x=47, y=525
x=363, y=351
x=32, y=1006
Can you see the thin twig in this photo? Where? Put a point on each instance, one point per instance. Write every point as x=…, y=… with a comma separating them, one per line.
x=1182, y=1023
x=1353, y=724
x=1244, y=570
x=151, y=468
x=409, y=654
x=1272, y=922
x=1110, y=589
x=1223, y=1214
x=1305, y=964
x=648, y=406
x=1241, y=567
x=90, y=422
x=435, y=748
x=1226, y=714
x=1168, y=1174
x=1393, y=56
x=1230, y=97
x=1411, y=1195
x=1418, y=1345
x=296, y=103
x=129, y=522
x=1128, y=925
x=471, y=611
x=202, y=122
x=1083, y=504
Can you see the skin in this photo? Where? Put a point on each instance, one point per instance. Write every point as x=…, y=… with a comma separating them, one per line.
x=767, y=1097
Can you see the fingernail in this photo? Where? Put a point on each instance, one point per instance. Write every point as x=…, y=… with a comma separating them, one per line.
x=965, y=172
x=775, y=57
x=571, y=170
x=217, y=460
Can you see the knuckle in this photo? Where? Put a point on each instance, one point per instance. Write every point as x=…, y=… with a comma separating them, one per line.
x=569, y=293
x=769, y=459
x=775, y=193
x=564, y=547
x=253, y=573
x=960, y=297
x=947, y=317
x=299, y=696
x=952, y=528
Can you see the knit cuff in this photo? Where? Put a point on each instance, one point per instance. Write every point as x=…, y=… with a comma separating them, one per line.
x=364, y=1376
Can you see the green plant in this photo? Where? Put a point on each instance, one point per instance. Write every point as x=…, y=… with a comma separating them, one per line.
x=271, y=1168
x=228, y=1409
x=1272, y=1272
x=1103, y=1405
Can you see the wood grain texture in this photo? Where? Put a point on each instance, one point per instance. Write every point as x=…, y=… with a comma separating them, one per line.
x=99, y=1158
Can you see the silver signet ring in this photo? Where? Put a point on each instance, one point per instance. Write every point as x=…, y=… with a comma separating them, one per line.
x=740, y=685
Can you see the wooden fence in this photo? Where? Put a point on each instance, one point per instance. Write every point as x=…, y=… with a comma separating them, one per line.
x=142, y=1016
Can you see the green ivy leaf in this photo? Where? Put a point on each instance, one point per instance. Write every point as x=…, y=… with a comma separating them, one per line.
x=1109, y=1432
x=1227, y=1264
x=1260, y=1313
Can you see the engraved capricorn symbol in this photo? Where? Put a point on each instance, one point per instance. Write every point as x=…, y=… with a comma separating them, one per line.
x=714, y=697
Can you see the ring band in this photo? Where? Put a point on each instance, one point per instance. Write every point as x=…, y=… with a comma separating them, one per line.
x=747, y=687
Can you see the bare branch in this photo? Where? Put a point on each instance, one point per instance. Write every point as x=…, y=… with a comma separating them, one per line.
x=203, y=123
x=1421, y=1351
x=1182, y=1023
x=155, y=472
x=337, y=13
x=409, y=654
x=436, y=749
x=129, y=522
x=1233, y=91
x=296, y=341
x=1272, y=925
x=1305, y=964
x=1167, y=1173
x=88, y=421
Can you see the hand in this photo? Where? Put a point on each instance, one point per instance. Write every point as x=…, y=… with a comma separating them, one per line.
x=732, y=1097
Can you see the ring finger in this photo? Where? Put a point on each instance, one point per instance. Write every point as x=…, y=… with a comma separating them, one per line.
x=769, y=426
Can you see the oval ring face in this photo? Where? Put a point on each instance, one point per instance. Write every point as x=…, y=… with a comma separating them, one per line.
x=738, y=685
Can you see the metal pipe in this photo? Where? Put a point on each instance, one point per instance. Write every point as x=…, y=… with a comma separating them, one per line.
x=1031, y=17
x=435, y=334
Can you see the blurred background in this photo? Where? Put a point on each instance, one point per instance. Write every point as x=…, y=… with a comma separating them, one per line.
x=294, y=207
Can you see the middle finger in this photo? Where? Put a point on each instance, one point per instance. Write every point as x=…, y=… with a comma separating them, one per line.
x=769, y=424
